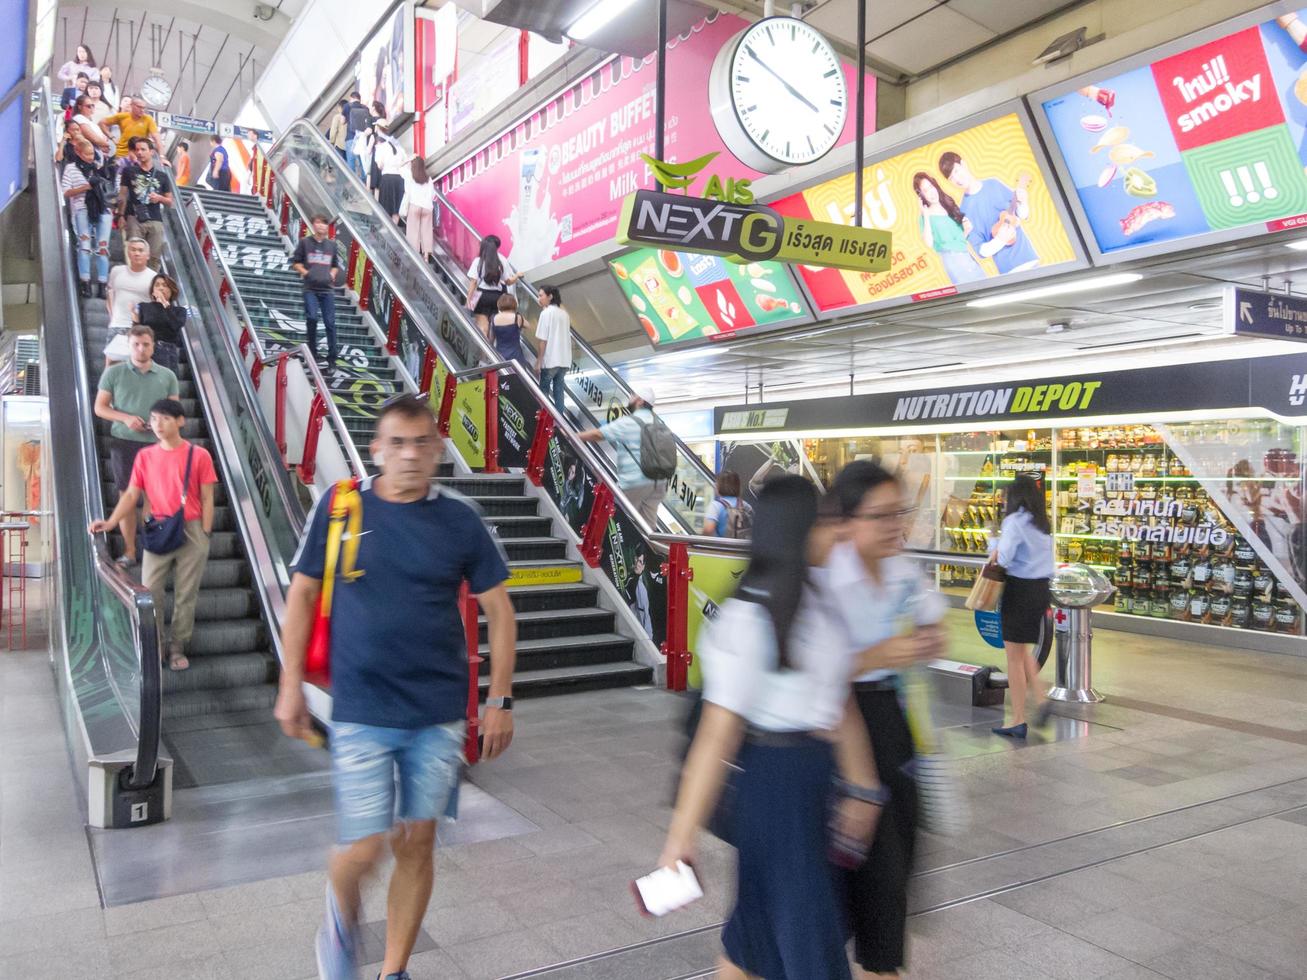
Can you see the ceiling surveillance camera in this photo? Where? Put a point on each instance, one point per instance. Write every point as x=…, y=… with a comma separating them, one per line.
x=263, y=11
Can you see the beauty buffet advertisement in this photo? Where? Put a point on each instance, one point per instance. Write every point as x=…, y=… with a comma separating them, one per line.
x=683, y=296
x=1210, y=139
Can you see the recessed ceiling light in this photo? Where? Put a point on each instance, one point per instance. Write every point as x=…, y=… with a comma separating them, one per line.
x=1057, y=289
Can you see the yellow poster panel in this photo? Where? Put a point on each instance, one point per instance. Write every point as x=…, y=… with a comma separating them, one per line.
x=467, y=422
x=949, y=206
x=715, y=580
x=544, y=575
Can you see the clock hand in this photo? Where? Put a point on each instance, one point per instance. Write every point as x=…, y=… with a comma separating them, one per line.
x=788, y=87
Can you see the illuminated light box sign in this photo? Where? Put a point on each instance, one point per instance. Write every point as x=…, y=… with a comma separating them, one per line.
x=554, y=184
x=965, y=210
x=1206, y=144
x=680, y=296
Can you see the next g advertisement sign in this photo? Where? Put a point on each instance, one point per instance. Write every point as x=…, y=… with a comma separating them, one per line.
x=1205, y=144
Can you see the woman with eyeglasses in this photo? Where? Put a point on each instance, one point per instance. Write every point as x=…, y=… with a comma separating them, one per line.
x=1025, y=553
x=889, y=615
x=776, y=701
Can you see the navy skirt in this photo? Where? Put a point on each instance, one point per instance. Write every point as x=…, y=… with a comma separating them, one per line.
x=788, y=922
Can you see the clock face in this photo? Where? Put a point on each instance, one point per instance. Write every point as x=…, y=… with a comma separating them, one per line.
x=156, y=90
x=779, y=94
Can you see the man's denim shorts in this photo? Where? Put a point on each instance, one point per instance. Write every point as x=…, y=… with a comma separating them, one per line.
x=368, y=761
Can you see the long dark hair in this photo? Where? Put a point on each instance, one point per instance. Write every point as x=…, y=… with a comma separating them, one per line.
x=90, y=56
x=946, y=200
x=855, y=481
x=492, y=268
x=1025, y=493
x=418, y=170
x=778, y=555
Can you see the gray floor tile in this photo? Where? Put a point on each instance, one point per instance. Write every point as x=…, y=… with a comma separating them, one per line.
x=1207, y=962
x=51, y=931
x=1065, y=957
x=470, y=921
x=502, y=955
x=1127, y=936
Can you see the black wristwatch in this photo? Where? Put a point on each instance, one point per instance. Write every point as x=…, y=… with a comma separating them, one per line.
x=505, y=703
x=877, y=796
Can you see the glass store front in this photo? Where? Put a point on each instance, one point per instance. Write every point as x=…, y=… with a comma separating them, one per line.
x=1192, y=504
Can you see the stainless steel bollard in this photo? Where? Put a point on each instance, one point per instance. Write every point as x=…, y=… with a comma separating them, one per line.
x=1077, y=589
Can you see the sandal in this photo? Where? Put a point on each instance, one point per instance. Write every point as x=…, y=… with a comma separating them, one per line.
x=177, y=660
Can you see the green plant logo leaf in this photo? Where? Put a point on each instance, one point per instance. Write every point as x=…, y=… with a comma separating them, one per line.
x=676, y=176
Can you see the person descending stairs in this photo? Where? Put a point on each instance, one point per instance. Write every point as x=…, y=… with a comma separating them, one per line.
x=566, y=640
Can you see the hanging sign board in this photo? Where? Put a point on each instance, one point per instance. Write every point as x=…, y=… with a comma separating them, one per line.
x=1249, y=313
x=747, y=233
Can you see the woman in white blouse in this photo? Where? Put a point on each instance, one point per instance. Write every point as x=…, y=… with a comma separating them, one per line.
x=777, y=703
x=1025, y=551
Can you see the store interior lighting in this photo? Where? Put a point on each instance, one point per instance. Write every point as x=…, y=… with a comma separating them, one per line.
x=1057, y=289
x=597, y=18
x=1299, y=246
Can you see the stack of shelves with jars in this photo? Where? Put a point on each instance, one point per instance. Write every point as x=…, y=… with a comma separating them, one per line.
x=1152, y=528
x=974, y=505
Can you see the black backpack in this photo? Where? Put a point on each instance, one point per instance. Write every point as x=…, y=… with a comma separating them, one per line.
x=657, y=449
x=739, y=520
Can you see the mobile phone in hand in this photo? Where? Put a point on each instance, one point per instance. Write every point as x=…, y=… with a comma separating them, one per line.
x=667, y=889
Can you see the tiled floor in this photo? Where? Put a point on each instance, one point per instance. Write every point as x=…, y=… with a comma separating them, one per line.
x=1160, y=834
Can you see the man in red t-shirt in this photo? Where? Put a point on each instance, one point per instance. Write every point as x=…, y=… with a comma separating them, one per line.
x=157, y=473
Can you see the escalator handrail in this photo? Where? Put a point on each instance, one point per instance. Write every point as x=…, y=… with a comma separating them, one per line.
x=562, y=425
x=146, y=623
x=302, y=352
x=618, y=381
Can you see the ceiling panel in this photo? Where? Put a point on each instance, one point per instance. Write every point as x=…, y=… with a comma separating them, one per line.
x=839, y=18
x=1007, y=15
x=929, y=40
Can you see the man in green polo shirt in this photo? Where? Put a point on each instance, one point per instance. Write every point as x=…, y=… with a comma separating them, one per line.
x=127, y=390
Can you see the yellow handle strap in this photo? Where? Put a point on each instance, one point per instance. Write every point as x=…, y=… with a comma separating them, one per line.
x=346, y=512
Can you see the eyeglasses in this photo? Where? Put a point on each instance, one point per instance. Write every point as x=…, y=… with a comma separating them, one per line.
x=886, y=515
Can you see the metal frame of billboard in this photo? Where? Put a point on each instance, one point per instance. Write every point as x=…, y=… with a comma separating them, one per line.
x=21, y=91
x=1053, y=151
x=798, y=320
x=1051, y=179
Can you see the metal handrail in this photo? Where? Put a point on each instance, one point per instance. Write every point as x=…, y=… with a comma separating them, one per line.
x=562, y=424
x=146, y=623
x=607, y=369
x=301, y=351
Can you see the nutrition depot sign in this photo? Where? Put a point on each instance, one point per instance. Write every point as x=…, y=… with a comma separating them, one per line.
x=748, y=233
x=1276, y=385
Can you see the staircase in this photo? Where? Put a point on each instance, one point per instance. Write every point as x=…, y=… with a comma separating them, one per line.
x=566, y=642
x=232, y=670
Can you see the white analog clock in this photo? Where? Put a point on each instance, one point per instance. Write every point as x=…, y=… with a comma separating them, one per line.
x=777, y=94
x=156, y=89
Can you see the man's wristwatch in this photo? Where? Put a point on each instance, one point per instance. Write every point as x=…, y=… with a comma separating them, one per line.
x=505, y=703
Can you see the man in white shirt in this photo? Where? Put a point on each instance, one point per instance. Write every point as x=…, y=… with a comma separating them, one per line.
x=554, y=332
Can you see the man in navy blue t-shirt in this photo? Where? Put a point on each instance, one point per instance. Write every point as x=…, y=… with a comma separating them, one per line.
x=399, y=676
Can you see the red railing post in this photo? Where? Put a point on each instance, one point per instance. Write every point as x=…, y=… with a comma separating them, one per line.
x=353, y=261
x=492, y=422
x=365, y=289
x=676, y=648
x=285, y=214
x=256, y=373
x=272, y=181
x=592, y=535
x=539, y=451
x=206, y=247
x=308, y=461
x=279, y=422
x=331, y=231
x=392, y=335
x=245, y=341
x=446, y=403
x=224, y=290
x=467, y=604
x=428, y=371
x=199, y=227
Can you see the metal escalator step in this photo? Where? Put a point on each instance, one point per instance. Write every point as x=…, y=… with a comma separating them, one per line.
x=553, y=624
x=188, y=704
x=490, y=485
x=225, y=573
x=223, y=519
x=225, y=544
x=227, y=636
x=572, y=680
x=219, y=604
x=506, y=506
x=222, y=670
x=532, y=598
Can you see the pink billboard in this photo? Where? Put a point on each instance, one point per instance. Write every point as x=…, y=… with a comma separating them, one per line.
x=553, y=185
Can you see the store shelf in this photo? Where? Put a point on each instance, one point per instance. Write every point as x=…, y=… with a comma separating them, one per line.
x=1140, y=478
x=1088, y=537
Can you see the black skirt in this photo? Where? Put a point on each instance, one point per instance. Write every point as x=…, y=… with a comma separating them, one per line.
x=488, y=303
x=391, y=193
x=1022, y=607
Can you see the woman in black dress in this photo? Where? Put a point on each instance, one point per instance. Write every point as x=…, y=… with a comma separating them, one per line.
x=166, y=317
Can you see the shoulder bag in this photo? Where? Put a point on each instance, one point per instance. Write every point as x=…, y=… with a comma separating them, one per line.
x=164, y=535
x=346, y=513
x=988, y=588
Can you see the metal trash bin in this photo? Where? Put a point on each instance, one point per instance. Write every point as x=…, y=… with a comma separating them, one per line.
x=1077, y=589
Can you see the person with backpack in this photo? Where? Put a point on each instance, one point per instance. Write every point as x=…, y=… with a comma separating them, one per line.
x=777, y=714
x=728, y=516
x=646, y=454
x=357, y=122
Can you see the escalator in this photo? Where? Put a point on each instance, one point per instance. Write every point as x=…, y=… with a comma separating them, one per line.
x=567, y=640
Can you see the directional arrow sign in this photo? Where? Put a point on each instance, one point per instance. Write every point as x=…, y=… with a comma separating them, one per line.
x=1249, y=313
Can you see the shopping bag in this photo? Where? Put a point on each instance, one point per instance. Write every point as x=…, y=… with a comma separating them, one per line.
x=987, y=589
x=346, y=513
x=941, y=807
